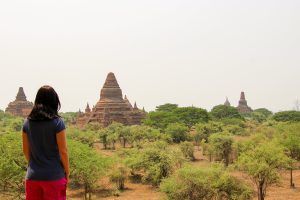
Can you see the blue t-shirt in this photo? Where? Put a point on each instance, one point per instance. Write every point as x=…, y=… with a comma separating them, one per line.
x=44, y=163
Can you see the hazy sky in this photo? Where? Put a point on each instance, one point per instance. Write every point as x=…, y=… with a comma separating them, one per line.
x=185, y=52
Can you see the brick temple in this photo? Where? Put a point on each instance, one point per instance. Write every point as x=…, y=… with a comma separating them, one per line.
x=20, y=106
x=243, y=106
x=111, y=107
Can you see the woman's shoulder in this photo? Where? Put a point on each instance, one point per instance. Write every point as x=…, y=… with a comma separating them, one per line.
x=59, y=124
x=25, y=125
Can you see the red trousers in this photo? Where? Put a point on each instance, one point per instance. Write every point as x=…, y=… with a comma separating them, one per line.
x=46, y=190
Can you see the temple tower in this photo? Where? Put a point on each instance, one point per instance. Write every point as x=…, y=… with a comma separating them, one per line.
x=112, y=107
x=20, y=106
x=243, y=106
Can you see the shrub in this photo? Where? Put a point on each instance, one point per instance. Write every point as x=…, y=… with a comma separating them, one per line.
x=154, y=162
x=119, y=176
x=214, y=182
x=187, y=148
x=12, y=165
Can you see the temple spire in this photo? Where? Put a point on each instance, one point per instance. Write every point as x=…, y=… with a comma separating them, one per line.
x=87, y=109
x=227, y=103
x=111, y=81
x=111, y=89
x=243, y=96
x=135, y=106
x=21, y=95
x=243, y=106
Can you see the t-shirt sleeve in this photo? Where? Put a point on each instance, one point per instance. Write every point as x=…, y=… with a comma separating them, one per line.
x=60, y=125
x=25, y=126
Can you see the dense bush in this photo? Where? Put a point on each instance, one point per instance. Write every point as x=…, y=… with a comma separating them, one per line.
x=10, y=123
x=187, y=148
x=84, y=136
x=192, y=183
x=154, y=163
x=12, y=165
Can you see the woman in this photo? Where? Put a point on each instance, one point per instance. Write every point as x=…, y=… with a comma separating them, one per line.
x=45, y=148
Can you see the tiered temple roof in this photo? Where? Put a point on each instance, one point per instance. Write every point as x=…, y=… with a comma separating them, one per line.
x=112, y=107
x=20, y=107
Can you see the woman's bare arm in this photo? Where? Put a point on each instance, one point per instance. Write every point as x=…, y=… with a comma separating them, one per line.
x=63, y=151
x=26, y=146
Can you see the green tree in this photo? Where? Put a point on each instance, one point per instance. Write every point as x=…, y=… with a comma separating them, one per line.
x=160, y=119
x=267, y=113
x=167, y=114
x=119, y=176
x=290, y=139
x=204, y=130
x=214, y=182
x=222, y=111
x=178, y=132
x=111, y=134
x=262, y=164
x=140, y=134
x=87, y=166
x=191, y=115
x=287, y=116
x=86, y=136
x=221, y=145
x=124, y=135
x=257, y=116
x=168, y=107
x=69, y=117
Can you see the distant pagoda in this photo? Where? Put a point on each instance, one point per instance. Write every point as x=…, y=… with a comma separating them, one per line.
x=227, y=103
x=243, y=107
x=20, y=107
x=111, y=107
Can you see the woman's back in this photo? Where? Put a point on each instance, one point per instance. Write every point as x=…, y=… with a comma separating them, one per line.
x=45, y=163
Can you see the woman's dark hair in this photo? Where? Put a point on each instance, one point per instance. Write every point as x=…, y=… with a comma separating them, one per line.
x=46, y=104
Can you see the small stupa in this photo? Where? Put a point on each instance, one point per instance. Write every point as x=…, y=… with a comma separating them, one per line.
x=112, y=107
x=227, y=103
x=20, y=106
x=243, y=106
